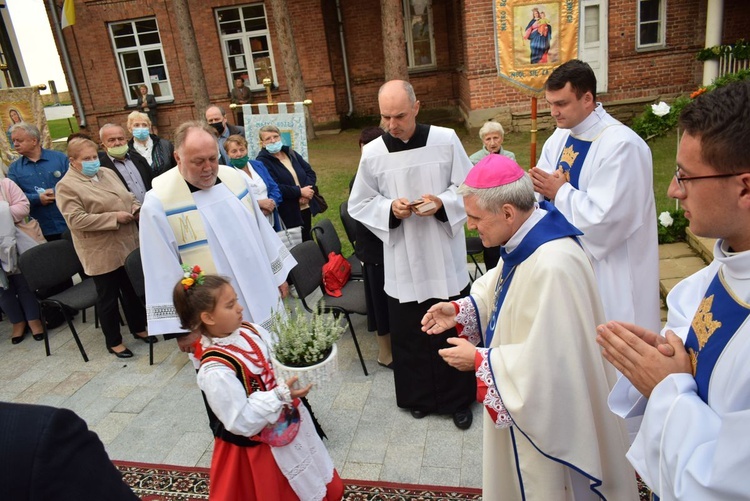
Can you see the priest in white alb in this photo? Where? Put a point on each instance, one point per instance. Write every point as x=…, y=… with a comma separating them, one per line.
x=548, y=433
x=599, y=174
x=204, y=214
x=692, y=382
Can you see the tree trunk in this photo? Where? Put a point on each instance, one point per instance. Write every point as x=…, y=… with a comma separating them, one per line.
x=192, y=56
x=289, y=58
x=394, y=43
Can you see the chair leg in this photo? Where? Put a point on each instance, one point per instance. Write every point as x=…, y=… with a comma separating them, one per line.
x=151, y=354
x=44, y=326
x=75, y=335
x=356, y=343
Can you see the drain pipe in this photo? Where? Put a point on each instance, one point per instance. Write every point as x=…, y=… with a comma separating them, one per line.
x=346, y=65
x=66, y=61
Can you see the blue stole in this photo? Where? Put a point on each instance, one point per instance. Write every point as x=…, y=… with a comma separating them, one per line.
x=718, y=318
x=572, y=157
x=551, y=227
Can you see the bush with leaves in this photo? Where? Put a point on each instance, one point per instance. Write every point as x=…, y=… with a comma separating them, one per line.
x=672, y=226
x=304, y=340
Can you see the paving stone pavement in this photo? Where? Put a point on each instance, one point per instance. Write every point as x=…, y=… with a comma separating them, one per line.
x=155, y=414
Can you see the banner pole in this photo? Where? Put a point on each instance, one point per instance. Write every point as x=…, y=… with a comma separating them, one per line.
x=533, y=132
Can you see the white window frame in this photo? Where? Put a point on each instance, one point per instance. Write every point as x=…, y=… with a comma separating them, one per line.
x=165, y=85
x=601, y=65
x=244, y=38
x=410, y=62
x=662, y=27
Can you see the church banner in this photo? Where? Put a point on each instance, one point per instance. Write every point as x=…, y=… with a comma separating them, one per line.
x=533, y=38
x=20, y=104
x=291, y=126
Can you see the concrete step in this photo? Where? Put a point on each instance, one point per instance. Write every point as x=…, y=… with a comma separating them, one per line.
x=682, y=259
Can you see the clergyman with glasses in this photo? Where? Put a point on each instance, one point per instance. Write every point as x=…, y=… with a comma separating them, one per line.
x=692, y=380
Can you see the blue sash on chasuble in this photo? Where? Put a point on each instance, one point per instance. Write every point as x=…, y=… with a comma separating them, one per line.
x=719, y=317
x=572, y=157
x=551, y=227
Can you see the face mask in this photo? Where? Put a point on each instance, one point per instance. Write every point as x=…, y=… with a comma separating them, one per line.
x=239, y=162
x=140, y=133
x=90, y=167
x=118, y=151
x=219, y=126
x=274, y=147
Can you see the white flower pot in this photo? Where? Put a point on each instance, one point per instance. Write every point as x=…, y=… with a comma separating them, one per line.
x=317, y=374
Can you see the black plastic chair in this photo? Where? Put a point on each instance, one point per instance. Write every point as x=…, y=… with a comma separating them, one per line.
x=53, y=263
x=134, y=269
x=350, y=225
x=328, y=241
x=307, y=276
x=474, y=247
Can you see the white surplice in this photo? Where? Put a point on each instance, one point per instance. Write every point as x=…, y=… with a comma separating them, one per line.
x=244, y=247
x=423, y=258
x=545, y=368
x=687, y=449
x=614, y=208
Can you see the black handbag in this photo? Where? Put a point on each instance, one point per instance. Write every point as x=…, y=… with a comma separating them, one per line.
x=322, y=204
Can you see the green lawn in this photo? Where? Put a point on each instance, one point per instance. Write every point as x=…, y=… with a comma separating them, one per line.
x=335, y=157
x=62, y=127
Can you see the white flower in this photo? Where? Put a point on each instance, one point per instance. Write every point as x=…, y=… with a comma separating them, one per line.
x=660, y=109
x=665, y=218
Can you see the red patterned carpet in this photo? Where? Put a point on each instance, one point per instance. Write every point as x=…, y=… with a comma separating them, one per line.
x=158, y=482
x=154, y=482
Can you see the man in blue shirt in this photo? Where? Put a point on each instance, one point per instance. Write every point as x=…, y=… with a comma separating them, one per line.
x=36, y=173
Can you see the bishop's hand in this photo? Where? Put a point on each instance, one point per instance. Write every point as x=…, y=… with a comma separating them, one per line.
x=439, y=318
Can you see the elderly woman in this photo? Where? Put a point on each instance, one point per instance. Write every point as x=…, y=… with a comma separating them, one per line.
x=492, y=135
x=17, y=300
x=265, y=189
x=158, y=152
x=101, y=214
x=295, y=178
x=147, y=104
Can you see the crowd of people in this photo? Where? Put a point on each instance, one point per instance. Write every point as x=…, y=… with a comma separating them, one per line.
x=559, y=343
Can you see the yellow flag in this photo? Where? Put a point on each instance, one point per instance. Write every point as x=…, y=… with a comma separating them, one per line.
x=68, y=17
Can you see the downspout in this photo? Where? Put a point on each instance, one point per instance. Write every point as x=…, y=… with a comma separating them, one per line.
x=346, y=65
x=66, y=61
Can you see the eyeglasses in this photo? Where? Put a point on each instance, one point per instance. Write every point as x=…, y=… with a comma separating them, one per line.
x=681, y=179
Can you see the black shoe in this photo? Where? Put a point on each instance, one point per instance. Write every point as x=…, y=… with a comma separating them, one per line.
x=387, y=366
x=463, y=418
x=418, y=414
x=147, y=339
x=18, y=339
x=126, y=353
x=38, y=337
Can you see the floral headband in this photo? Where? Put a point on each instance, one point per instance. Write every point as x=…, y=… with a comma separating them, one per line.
x=192, y=276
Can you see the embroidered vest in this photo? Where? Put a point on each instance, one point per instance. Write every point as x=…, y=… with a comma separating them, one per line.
x=185, y=219
x=719, y=316
x=250, y=382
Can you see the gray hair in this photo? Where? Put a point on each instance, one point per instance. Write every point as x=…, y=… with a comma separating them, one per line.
x=407, y=87
x=181, y=132
x=267, y=128
x=491, y=126
x=519, y=194
x=109, y=126
x=31, y=129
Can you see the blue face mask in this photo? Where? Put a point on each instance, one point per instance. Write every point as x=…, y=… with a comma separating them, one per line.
x=140, y=133
x=239, y=162
x=274, y=147
x=90, y=167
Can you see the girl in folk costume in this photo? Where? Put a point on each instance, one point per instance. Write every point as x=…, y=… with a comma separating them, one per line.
x=266, y=445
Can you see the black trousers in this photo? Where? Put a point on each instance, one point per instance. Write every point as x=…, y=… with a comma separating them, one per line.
x=424, y=381
x=108, y=287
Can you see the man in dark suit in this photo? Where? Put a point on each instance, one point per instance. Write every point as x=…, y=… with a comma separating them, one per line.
x=48, y=453
x=217, y=118
x=132, y=169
